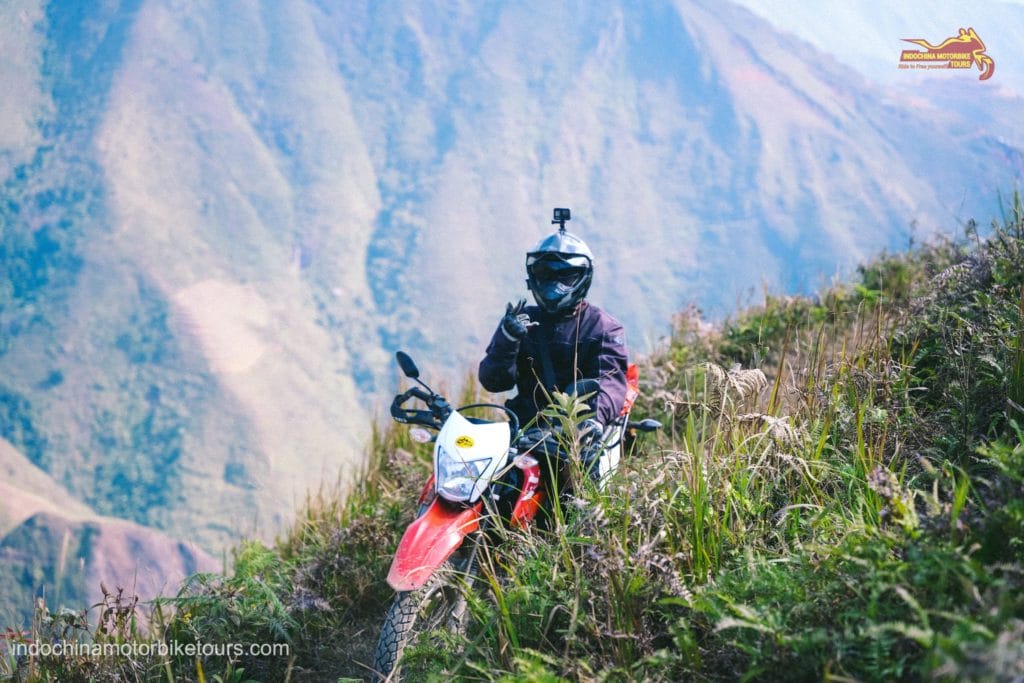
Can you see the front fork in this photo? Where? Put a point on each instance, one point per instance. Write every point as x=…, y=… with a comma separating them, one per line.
x=426, y=497
x=440, y=531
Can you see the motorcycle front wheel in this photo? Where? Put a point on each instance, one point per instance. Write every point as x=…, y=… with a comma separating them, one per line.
x=439, y=605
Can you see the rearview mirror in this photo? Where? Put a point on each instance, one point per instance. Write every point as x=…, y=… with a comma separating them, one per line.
x=409, y=368
x=647, y=425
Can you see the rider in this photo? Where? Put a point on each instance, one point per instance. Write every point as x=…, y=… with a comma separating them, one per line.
x=562, y=339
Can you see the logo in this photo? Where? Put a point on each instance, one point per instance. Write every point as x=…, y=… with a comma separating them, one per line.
x=464, y=442
x=960, y=52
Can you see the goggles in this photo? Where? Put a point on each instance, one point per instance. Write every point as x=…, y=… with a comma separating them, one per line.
x=550, y=268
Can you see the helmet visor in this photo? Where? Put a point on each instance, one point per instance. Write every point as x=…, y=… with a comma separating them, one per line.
x=567, y=270
x=555, y=271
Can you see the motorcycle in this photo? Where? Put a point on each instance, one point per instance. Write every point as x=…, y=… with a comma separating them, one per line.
x=485, y=472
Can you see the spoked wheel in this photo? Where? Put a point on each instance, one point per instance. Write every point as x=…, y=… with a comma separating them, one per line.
x=440, y=605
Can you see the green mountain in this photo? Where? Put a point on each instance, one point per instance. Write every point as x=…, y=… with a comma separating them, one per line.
x=218, y=221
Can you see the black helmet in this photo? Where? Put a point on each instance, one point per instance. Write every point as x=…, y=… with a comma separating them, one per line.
x=559, y=271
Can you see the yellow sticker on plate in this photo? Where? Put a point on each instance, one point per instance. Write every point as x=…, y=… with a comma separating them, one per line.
x=464, y=442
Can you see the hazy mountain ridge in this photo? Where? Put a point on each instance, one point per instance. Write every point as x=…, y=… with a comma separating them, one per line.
x=73, y=558
x=48, y=538
x=224, y=219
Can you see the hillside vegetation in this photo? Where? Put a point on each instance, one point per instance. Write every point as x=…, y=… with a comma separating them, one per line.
x=218, y=221
x=838, y=493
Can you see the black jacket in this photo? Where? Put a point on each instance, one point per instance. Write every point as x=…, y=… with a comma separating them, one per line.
x=586, y=344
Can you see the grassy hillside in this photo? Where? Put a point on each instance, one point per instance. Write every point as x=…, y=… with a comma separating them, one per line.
x=837, y=493
x=217, y=222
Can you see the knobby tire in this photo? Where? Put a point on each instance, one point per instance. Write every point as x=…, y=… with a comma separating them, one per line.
x=406, y=617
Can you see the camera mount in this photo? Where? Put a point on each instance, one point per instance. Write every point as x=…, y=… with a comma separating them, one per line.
x=561, y=216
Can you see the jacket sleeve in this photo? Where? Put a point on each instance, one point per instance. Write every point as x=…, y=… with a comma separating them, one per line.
x=611, y=361
x=498, y=368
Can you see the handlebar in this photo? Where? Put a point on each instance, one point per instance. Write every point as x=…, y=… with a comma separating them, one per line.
x=513, y=419
x=548, y=441
x=437, y=411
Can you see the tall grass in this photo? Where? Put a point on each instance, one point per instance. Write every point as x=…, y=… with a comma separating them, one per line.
x=837, y=520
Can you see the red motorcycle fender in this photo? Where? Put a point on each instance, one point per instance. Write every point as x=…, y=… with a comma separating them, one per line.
x=531, y=498
x=429, y=541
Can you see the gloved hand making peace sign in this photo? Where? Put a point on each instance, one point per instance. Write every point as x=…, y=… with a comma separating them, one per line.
x=516, y=322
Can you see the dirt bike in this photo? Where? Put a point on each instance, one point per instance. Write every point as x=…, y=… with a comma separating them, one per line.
x=485, y=472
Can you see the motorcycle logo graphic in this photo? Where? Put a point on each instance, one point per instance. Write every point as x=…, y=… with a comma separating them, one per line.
x=960, y=52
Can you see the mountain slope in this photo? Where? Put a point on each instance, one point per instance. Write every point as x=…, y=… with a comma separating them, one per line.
x=25, y=490
x=76, y=559
x=217, y=222
x=57, y=548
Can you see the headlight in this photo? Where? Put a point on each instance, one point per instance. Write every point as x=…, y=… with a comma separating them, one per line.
x=456, y=478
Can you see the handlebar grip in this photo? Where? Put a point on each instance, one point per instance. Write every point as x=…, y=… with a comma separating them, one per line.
x=647, y=425
x=397, y=412
x=416, y=392
x=428, y=418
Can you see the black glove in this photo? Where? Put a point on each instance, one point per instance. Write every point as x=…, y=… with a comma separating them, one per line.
x=516, y=323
